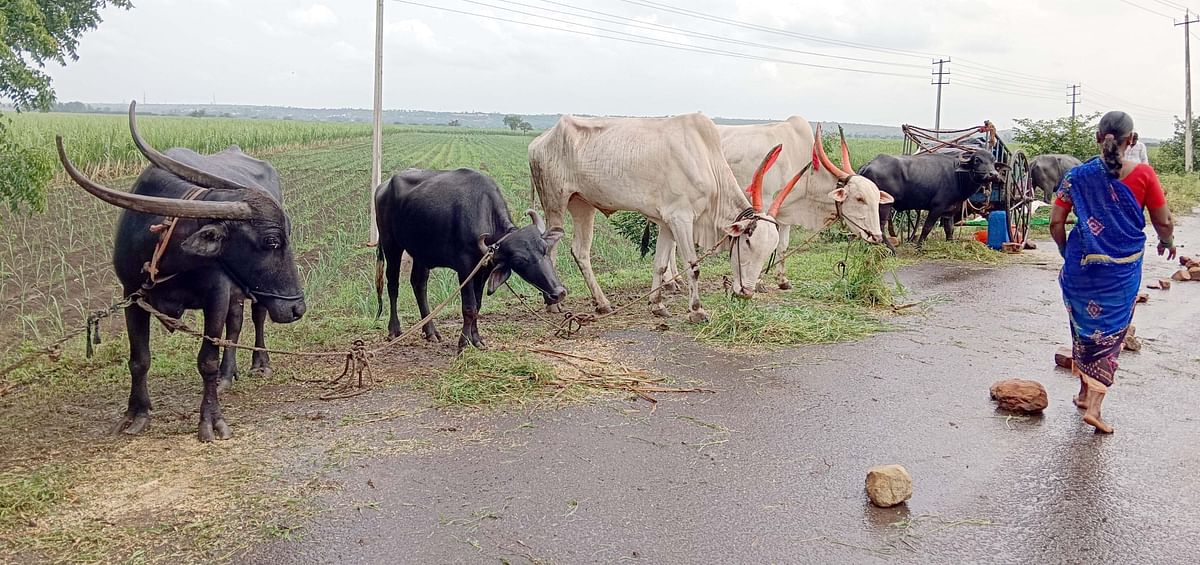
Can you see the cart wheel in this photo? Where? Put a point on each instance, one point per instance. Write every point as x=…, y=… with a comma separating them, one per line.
x=1019, y=197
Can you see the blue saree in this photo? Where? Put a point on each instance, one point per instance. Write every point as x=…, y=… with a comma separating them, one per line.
x=1103, y=267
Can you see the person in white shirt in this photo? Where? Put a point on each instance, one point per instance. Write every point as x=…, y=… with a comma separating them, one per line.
x=1137, y=151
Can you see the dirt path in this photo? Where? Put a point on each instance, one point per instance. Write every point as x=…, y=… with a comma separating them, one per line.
x=770, y=469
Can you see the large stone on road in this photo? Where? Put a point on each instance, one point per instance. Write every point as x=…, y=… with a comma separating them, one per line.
x=888, y=485
x=1020, y=395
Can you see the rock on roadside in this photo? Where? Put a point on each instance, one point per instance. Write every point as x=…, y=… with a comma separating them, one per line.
x=1020, y=395
x=888, y=485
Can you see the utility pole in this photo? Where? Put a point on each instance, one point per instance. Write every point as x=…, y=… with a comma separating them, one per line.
x=1187, y=89
x=1073, y=100
x=940, y=73
x=377, y=134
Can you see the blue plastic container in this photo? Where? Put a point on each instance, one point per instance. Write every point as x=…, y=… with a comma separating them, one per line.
x=997, y=229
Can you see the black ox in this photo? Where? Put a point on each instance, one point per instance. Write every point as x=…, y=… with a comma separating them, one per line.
x=934, y=182
x=1045, y=171
x=230, y=241
x=451, y=219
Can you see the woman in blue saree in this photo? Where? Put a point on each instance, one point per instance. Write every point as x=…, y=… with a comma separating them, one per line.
x=1102, y=268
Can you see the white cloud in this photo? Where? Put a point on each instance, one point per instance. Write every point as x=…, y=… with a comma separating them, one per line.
x=317, y=15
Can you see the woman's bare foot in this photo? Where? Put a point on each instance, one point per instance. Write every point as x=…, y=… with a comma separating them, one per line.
x=1095, y=397
x=1080, y=400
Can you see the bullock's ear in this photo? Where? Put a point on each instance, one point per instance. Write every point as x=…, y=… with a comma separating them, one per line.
x=885, y=198
x=739, y=228
x=552, y=236
x=208, y=241
x=497, y=278
x=839, y=194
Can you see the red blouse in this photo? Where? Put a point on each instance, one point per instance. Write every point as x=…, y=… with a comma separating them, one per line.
x=1142, y=182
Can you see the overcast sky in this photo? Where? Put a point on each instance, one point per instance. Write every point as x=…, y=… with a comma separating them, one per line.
x=319, y=54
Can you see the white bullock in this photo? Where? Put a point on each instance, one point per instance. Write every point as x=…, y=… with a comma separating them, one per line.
x=822, y=194
x=670, y=170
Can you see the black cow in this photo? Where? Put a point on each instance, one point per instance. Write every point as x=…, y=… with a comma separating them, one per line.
x=1046, y=170
x=935, y=182
x=449, y=219
x=230, y=242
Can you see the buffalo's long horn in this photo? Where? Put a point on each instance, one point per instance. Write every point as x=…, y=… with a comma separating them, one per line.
x=537, y=220
x=185, y=172
x=756, y=188
x=783, y=194
x=483, y=246
x=154, y=204
x=845, y=152
x=825, y=162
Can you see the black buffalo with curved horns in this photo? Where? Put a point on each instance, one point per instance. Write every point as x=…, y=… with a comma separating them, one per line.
x=231, y=242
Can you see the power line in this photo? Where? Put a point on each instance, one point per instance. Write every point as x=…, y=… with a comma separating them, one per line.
x=1006, y=83
x=757, y=27
x=1150, y=10
x=984, y=87
x=642, y=40
x=622, y=20
x=1116, y=98
x=1015, y=75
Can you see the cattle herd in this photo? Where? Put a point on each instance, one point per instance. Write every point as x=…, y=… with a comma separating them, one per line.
x=209, y=232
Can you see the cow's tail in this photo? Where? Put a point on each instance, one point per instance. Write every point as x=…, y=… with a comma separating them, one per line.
x=379, y=266
x=645, y=246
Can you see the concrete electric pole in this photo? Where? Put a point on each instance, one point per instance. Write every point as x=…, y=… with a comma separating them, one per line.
x=939, y=73
x=1187, y=89
x=377, y=134
x=1073, y=100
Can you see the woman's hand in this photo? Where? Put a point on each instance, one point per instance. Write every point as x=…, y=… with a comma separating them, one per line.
x=1167, y=246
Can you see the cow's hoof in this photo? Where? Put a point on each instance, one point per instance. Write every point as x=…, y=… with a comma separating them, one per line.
x=671, y=287
x=760, y=287
x=263, y=372
x=698, y=317
x=433, y=336
x=210, y=430
x=659, y=310
x=132, y=425
x=785, y=284
x=604, y=309
x=554, y=308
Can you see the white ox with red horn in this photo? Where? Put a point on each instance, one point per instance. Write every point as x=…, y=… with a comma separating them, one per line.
x=669, y=169
x=822, y=192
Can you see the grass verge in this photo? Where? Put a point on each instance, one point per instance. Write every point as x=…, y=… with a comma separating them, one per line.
x=29, y=494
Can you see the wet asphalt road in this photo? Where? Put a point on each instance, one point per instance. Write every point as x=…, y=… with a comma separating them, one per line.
x=771, y=468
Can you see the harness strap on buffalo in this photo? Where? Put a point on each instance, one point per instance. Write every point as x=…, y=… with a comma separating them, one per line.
x=165, y=230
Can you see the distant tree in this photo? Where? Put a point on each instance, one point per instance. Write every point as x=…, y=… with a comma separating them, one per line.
x=72, y=107
x=197, y=114
x=1062, y=135
x=525, y=126
x=513, y=122
x=1170, y=157
x=32, y=33
x=454, y=123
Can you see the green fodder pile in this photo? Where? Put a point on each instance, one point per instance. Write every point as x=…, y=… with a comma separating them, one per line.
x=867, y=272
x=488, y=377
x=969, y=251
x=746, y=322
